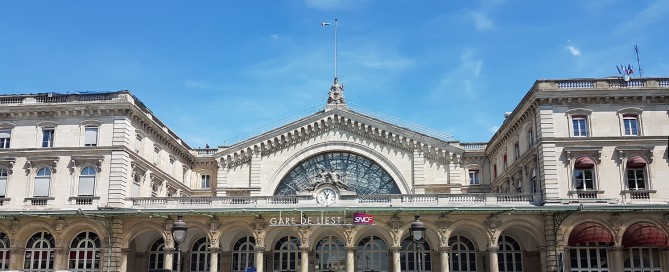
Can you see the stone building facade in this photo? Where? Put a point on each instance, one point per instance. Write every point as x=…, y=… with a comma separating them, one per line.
x=576, y=179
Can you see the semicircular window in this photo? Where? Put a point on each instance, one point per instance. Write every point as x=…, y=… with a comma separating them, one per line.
x=347, y=171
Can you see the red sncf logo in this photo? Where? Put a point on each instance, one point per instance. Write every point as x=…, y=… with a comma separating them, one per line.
x=362, y=219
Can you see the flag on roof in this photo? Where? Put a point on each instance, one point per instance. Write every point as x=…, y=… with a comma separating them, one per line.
x=324, y=24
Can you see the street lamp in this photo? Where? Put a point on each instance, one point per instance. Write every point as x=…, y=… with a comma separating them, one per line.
x=418, y=234
x=179, y=230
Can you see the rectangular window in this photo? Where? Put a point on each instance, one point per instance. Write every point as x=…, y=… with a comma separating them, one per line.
x=580, y=126
x=506, y=162
x=583, y=179
x=87, y=185
x=156, y=155
x=530, y=138
x=494, y=170
x=516, y=152
x=474, y=177
x=91, y=136
x=636, y=179
x=138, y=143
x=3, y=186
x=206, y=179
x=5, y=138
x=42, y=186
x=631, y=125
x=47, y=137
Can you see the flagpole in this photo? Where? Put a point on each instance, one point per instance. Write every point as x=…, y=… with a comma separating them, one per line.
x=335, y=49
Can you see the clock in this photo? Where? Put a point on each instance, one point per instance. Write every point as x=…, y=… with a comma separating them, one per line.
x=326, y=196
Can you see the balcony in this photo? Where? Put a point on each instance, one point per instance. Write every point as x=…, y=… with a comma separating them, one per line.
x=395, y=200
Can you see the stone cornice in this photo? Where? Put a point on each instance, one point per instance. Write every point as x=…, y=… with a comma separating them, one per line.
x=347, y=121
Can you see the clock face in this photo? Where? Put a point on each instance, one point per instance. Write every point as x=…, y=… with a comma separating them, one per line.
x=326, y=196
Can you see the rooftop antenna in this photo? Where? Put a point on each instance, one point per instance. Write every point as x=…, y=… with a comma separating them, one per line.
x=638, y=63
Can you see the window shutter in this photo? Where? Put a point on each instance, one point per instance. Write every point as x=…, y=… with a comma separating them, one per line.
x=86, y=185
x=42, y=186
x=91, y=136
x=3, y=187
x=135, y=189
x=5, y=134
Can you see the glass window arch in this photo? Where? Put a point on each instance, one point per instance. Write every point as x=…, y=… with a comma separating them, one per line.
x=157, y=255
x=199, y=255
x=42, y=182
x=409, y=256
x=330, y=254
x=4, y=251
x=287, y=254
x=462, y=256
x=85, y=253
x=39, y=254
x=87, y=178
x=510, y=255
x=243, y=254
x=4, y=177
x=358, y=173
x=372, y=254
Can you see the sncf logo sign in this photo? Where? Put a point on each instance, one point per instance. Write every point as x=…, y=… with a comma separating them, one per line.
x=362, y=219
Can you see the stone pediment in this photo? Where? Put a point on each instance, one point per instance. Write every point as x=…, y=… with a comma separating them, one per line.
x=344, y=120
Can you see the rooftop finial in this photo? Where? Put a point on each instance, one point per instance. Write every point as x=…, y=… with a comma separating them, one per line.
x=336, y=95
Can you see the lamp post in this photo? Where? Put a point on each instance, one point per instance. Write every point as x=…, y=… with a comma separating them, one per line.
x=418, y=234
x=179, y=230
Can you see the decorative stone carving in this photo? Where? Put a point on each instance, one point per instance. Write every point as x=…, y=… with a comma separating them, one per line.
x=259, y=249
x=616, y=221
x=59, y=224
x=444, y=222
x=214, y=250
x=492, y=223
x=14, y=225
x=260, y=223
x=395, y=223
x=214, y=224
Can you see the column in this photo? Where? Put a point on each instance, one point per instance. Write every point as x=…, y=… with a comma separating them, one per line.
x=16, y=258
x=260, y=258
x=213, y=258
x=350, y=259
x=396, y=259
x=664, y=259
x=60, y=259
x=492, y=257
x=123, y=266
x=443, y=253
x=304, y=264
x=616, y=259
x=169, y=258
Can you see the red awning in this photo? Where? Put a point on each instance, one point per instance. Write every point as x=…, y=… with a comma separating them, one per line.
x=590, y=233
x=636, y=161
x=584, y=162
x=645, y=234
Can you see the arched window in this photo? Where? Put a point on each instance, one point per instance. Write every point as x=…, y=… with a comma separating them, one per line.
x=510, y=255
x=330, y=254
x=409, y=256
x=588, y=244
x=636, y=173
x=642, y=243
x=85, y=253
x=4, y=251
x=462, y=256
x=243, y=254
x=372, y=254
x=87, y=181
x=157, y=255
x=352, y=171
x=584, y=176
x=39, y=253
x=199, y=256
x=3, y=182
x=287, y=254
x=42, y=182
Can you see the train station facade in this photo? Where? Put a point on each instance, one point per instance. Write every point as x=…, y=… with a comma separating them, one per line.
x=575, y=179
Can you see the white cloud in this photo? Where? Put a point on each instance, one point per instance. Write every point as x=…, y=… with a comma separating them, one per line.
x=482, y=21
x=275, y=36
x=573, y=50
x=493, y=129
x=463, y=81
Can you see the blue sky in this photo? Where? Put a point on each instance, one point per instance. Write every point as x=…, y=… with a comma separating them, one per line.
x=215, y=70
